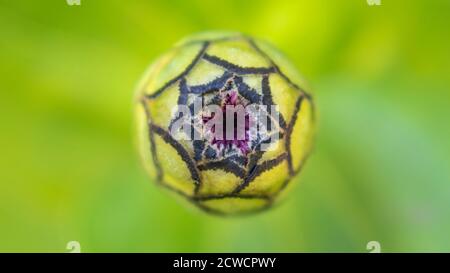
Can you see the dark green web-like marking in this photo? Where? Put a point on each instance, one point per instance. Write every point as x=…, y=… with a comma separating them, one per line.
x=231, y=164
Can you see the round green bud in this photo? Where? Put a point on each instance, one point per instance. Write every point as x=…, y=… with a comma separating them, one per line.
x=246, y=166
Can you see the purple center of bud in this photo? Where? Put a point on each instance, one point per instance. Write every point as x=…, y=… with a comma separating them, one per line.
x=231, y=98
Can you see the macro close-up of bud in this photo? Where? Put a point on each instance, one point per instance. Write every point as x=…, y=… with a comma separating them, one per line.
x=225, y=121
x=224, y=135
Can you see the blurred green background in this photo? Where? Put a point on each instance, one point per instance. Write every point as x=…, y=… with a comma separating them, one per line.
x=70, y=170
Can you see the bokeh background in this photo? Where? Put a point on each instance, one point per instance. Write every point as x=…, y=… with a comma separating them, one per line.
x=69, y=169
